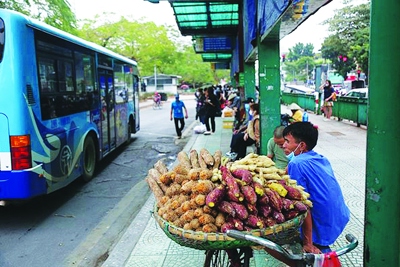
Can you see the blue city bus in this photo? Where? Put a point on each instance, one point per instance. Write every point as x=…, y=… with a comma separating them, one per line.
x=65, y=103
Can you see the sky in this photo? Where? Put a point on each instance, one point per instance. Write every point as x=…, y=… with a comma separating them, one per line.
x=310, y=31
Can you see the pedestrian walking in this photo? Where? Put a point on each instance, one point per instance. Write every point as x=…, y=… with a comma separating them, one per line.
x=212, y=106
x=177, y=108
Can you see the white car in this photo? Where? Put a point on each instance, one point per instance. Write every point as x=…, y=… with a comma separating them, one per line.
x=359, y=92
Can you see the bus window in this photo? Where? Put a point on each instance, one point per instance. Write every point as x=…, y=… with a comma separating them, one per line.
x=2, y=34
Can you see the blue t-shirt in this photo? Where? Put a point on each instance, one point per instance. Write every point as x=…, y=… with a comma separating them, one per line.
x=177, y=108
x=329, y=212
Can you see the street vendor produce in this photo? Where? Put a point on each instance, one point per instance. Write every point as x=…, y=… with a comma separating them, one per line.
x=207, y=193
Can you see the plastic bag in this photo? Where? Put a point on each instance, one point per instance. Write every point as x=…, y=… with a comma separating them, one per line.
x=199, y=129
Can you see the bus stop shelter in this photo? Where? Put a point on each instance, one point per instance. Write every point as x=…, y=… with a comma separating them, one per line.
x=235, y=34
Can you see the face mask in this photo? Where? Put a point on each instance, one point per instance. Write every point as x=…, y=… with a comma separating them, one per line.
x=291, y=154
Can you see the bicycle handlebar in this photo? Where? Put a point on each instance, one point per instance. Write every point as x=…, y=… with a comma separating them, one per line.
x=304, y=257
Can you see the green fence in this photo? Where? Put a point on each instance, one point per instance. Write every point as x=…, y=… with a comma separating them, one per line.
x=345, y=108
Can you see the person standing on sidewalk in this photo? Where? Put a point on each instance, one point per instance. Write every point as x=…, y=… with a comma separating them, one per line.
x=177, y=108
x=329, y=214
x=211, y=104
x=329, y=93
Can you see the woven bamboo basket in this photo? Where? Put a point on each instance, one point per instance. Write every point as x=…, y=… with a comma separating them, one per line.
x=283, y=233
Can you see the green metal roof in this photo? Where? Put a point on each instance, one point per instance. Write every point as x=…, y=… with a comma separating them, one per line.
x=201, y=18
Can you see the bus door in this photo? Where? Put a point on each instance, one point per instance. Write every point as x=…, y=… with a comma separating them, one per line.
x=106, y=82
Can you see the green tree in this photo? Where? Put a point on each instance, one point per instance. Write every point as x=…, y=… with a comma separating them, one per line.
x=151, y=45
x=348, y=45
x=56, y=13
x=300, y=50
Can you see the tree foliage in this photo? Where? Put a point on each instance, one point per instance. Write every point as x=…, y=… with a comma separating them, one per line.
x=300, y=50
x=56, y=13
x=152, y=46
x=348, y=45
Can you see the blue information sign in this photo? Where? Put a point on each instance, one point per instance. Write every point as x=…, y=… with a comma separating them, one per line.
x=211, y=44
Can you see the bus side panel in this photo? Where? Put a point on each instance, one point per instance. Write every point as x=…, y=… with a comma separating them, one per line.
x=21, y=185
x=121, y=117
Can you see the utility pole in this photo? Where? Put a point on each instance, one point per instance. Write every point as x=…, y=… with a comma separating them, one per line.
x=155, y=78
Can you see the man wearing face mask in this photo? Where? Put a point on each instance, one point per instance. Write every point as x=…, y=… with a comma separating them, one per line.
x=329, y=214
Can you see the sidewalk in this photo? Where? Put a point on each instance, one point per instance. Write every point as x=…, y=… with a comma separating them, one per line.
x=145, y=244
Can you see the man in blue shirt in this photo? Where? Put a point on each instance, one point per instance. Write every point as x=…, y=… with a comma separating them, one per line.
x=177, y=108
x=329, y=214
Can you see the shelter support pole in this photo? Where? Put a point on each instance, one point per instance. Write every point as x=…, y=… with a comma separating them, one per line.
x=382, y=201
x=270, y=84
x=249, y=84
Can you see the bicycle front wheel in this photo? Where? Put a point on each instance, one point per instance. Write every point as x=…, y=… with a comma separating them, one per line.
x=228, y=258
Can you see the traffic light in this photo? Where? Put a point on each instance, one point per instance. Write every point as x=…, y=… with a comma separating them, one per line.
x=283, y=57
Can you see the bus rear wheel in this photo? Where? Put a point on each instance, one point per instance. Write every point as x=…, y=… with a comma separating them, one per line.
x=89, y=159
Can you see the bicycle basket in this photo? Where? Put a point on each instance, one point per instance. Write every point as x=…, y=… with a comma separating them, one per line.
x=283, y=233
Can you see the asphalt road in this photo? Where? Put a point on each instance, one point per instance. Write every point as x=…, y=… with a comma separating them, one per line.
x=79, y=225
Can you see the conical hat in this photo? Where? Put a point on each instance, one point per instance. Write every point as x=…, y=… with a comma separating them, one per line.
x=294, y=106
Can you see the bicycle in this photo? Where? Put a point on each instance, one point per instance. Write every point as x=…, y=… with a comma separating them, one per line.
x=242, y=257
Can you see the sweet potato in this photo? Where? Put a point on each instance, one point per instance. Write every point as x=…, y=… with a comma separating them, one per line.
x=244, y=175
x=217, y=159
x=158, y=193
x=166, y=178
x=181, y=168
x=258, y=188
x=186, y=206
x=206, y=219
x=205, y=174
x=215, y=196
x=249, y=194
x=287, y=204
x=200, y=200
x=202, y=163
x=207, y=157
x=293, y=193
x=161, y=167
x=188, y=216
x=227, y=226
x=203, y=187
x=263, y=200
x=183, y=159
x=264, y=210
x=194, y=159
x=278, y=216
x=241, y=211
x=251, y=208
x=187, y=187
x=231, y=196
x=236, y=222
x=220, y=219
x=290, y=214
x=195, y=223
x=173, y=190
x=194, y=174
x=227, y=208
x=269, y=221
x=300, y=207
x=280, y=189
x=254, y=222
x=275, y=200
x=230, y=181
x=210, y=228
x=180, y=178
x=198, y=212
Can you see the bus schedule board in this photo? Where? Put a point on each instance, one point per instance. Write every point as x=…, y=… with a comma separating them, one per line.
x=213, y=44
